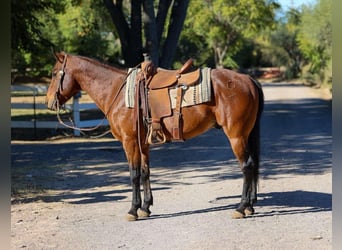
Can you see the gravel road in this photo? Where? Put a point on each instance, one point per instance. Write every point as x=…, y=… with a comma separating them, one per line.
x=80, y=192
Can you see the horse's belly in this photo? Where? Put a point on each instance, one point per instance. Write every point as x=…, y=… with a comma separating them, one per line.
x=195, y=120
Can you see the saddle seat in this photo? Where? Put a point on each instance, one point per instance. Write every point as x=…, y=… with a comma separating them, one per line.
x=164, y=78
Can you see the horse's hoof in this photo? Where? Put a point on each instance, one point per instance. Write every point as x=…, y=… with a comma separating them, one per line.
x=249, y=211
x=131, y=217
x=143, y=213
x=238, y=215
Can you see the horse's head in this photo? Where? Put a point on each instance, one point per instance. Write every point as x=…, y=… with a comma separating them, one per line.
x=63, y=86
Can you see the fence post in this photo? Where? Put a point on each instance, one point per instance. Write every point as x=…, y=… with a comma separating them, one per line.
x=34, y=113
x=76, y=113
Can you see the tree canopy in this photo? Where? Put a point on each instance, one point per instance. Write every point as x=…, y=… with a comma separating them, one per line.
x=315, y=38
x=224, y=24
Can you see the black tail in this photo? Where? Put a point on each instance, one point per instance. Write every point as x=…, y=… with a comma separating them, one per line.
x=254, y=137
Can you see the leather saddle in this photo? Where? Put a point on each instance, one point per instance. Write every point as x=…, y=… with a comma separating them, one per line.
x=155, y=98
x=167, y=78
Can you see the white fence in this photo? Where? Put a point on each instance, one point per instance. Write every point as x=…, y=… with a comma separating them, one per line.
x=75, y=107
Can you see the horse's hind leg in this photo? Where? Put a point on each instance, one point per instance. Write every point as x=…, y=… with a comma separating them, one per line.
x=250, y=171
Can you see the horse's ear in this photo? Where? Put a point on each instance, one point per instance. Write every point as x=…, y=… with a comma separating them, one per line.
x=59, y=56
x=54, y=53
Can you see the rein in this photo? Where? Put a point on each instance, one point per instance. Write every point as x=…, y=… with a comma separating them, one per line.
x=60, y=87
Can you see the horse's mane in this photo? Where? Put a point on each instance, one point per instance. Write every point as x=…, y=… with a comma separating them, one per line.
x=101, y=64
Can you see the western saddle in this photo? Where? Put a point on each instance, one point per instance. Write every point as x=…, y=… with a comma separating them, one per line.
x=152, y=92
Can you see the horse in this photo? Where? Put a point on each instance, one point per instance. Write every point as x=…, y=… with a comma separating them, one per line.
x=236, y=106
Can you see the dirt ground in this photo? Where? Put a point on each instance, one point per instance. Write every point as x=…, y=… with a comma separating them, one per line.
x=74, y=193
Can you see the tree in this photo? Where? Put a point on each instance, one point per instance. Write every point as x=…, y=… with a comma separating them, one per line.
x=315, y=39
x=224, y=24
x=25, y=28
x=280, y=45
x=84, y=29
x=26, y=35
x=75, y=26
x=302, y=42
x=142, y=31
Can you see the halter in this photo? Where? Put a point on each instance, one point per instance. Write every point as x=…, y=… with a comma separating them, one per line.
x=61, y=74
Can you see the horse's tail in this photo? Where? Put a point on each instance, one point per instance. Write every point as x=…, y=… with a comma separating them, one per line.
x=254, y=137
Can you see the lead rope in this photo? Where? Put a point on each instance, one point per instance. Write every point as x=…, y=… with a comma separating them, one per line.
x=105, y=116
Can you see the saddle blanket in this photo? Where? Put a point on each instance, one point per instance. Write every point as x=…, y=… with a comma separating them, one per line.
x=196, y=94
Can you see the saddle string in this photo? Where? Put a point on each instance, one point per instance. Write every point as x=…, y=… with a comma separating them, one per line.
x=105, y=115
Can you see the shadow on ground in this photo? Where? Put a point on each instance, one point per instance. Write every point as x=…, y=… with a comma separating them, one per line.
x=282, y=203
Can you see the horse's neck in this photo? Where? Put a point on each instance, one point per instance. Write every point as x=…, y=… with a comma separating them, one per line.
x=100, y=83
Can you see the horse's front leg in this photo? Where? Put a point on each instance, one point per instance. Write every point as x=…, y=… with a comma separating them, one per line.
x=139, y=170
x=134, y=162
x=136, y=197
x=145, y=179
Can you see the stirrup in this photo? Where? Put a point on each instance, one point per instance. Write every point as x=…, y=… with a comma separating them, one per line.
x=155, y=137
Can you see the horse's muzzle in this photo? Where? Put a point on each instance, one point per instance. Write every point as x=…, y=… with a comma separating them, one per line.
x=51, y=104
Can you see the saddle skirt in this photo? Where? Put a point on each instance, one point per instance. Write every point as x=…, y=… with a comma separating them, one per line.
x=195, y=94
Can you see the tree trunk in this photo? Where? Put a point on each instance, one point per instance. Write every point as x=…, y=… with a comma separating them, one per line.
x=120, y=23
x=135, y=35
x=178, y=15
x=130, y=32
x=150, y=27
x=163, y=9
x=130, y=37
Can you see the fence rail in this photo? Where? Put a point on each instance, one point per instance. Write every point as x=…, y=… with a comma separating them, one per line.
x=76, y=108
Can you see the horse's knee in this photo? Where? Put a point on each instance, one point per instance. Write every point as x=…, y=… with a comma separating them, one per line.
x=145, y=174
x=247, y=167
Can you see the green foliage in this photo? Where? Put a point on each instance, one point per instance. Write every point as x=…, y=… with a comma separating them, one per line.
x=83, y=31
x=26, y=25
x=223, y=25
x=280, y=46
x=315, y=40
x=301, y=42
x=27, y=40
x=81, y=27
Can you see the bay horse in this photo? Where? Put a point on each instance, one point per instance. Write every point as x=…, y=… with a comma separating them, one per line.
x=236, y=107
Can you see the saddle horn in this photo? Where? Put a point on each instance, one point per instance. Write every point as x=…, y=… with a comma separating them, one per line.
x=186, y=66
